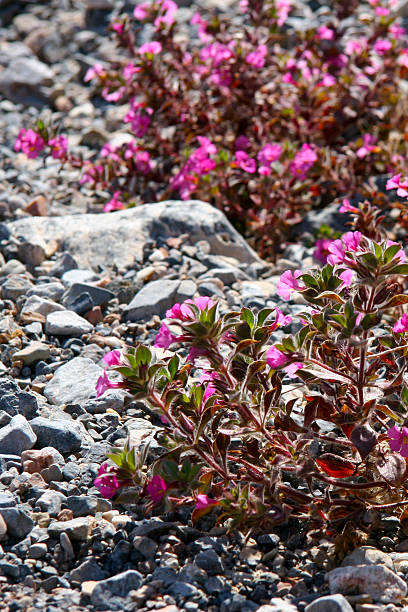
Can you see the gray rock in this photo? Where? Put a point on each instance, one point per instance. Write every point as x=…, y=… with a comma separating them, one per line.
x=51, y=502
x=82, y=505
x=209, y=561
x=368, y=555
x=38, y=305
x=65, y=435
x=98, y=295
x=98, y=239
x=7, y=499
x=78, y=276
x=88, y=570
x=35, y=351
x=146, y=546
x=155, y=298
x=12, y=266
x=67, y=323
x=15, y=286
x=113, y=399
x=76, y=529
x=52, y=473
x=277, y=605
x=49, y=291
x=329, y=603
x=24, y=80
x=19, y=524
x=183, y=589
x=376, y=580
x=111, y=594
x=74, y=382
x=37, y=550
x=17, y=436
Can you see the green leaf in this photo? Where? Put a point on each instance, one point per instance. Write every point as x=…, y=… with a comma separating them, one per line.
x=263, y=314
x=404, y=396
x=327, y=273
x=391, y=251
x=396, y=300
x=401, y=269
x=248, y=317
x=173, y=366
x=310, y=281
x=330, y=295
x=288, y=345
x=377, y=250
x=370, y=320
x=370, y=260
x=143, y=355
x=339, y=319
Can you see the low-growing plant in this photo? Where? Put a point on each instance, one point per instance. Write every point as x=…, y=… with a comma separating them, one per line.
x=261, y=119
x=313, y=426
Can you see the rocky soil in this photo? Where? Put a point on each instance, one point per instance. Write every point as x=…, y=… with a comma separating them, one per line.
x=75, y=284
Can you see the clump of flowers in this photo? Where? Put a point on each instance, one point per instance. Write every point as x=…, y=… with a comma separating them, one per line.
x=236, y=444
x=327, y=112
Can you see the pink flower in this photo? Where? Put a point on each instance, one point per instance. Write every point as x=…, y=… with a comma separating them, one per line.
x=29, y=142
x=282, y=8
x=243, y=5
x=184, y=313
x=368, y=146
x=141, y=11
x=382, y=45
x=328, y=80
x=397, y=31
x=203, y=501
x=350, y=241
x=210, y=389
x=169, y=9
x=103, y=384
x=150, y=48
x=347, y=278
x=325, y=33
x=202, y=27
x=195, y=353
x=288, y=283
x=156, y=489
x=59, y=147
x=276, y=359
x=118, y=27
x=112, y=358
x=401, y=325
x=107, y=482
x=322, y=249
x=303, y=161
x=257, y=57
x=245, y=162
x=396, y=183
x=382, y=11
x=398, y=440
x=114, y=203
x=356, y=46
x=96, y=70
x=164, y=337
x=280, y=319
x=139, y=117
x=268, y=154
x=347, y=207
x=217, y=53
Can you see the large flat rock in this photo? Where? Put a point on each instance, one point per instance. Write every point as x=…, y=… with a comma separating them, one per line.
x=117, y=238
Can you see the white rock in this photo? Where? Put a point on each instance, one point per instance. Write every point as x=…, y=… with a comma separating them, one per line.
x=67, y=323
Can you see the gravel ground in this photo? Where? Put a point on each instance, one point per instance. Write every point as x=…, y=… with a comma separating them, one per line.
x=66, y=299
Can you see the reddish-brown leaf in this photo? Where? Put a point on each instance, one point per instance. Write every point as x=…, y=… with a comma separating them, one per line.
x=335, y=466
x=392, y=468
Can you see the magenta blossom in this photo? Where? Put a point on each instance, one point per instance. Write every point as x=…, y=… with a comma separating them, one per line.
x=141, y=11
x=203, y=501
x=325, y=33
x=107, y=482
x=276, y=359
x=156, y=489
x=59, y=147
x=347, y=207
x=350, y=241
x=164, y=337
x=268, y=154
x=104, y=383
x=91, y=73
x=368, y=146
x=242, y=143
x=184, y=313
x=322, y=249
x=112, y=358
x=114, y=203
x=29, y=142
x=401, y=325
x=210, y=389
x=288, y=283
x=257, y=57
x=150, y=48
x=396, y=183
x=195, y=353
x=246, y=163
x=347, y=278
x=280, y=319
x=398, y=440
x=303, y=161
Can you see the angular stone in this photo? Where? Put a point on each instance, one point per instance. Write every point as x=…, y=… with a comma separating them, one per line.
x=382, y=584
x=88, y=570
x=35, y=351
x=51, y=502
x=36, y=460
x=38, y=305
x=76, y=529
x=368, y=555
x=98, y=239
x=19, y=524
x=155, y=298
x=67, y=323
x=74, y=382
x=64, y=434
x=329, y=603
x=17, y=436
x=23, y=79
x=99, y=296
x=49, y=291
x=112, y=593
x=15, y=286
